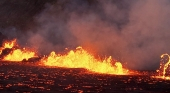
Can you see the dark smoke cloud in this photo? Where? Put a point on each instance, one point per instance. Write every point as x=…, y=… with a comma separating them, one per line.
x=136, y=32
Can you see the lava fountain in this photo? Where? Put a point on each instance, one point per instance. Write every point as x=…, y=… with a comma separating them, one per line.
x=80, y=58
x=10, y=52
x=164, y=69
x=7, y=44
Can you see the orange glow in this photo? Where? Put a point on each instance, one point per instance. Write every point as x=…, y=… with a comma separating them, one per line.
x=9, y=44
x=78, y=58
x=164, y=68
x=82, y=59
x=19, y=55
x=16, y=54
x=162, y=77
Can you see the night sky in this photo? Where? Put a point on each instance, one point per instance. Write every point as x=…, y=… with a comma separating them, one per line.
x=20, y=13
x=133, y=32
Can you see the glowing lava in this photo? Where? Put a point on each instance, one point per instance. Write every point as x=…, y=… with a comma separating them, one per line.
x=8, y=44
x=15, y=54
x=164, y=69
x=82, y=59
x=79, y=58
x=19, y=55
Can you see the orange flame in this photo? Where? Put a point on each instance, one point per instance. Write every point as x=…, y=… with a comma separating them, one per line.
x=19, y=55
x=82, y=59
x=164, y=66
x=73, y=59
x=16, y=54
x=7, y=44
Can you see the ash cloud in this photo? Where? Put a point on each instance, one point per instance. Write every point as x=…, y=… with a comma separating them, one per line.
x=136, y=32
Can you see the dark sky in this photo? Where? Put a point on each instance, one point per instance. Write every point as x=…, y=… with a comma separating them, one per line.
x=20, y=13
x=135, y=32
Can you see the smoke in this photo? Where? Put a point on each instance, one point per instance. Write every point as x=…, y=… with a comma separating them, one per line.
x=135, y=32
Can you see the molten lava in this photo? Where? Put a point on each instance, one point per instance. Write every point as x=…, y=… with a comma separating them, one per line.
x=82, y=59
x=164, y=70
x=7, y=44
x=19, y=55
x=15, y=54
x=79, y=58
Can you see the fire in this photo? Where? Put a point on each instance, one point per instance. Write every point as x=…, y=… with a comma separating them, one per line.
x=82, y=59
x=166, y=65
x=164, y=69
x=16, y=54
x=78, y=58
x=19, y=55
x=9, y=44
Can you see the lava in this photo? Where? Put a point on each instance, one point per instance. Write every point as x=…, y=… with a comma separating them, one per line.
x=11, y=53
x=7, y=44
x=80, y=58
x=164, y=70
x=19, y=55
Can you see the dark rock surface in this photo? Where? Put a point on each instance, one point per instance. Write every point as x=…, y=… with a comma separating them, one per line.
x=17, y=77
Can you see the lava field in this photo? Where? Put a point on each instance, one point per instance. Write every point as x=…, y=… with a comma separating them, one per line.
x=32, y=78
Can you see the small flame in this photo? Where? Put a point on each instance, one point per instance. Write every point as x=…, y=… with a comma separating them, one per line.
x=164, y=67
x=166, y=64
x=82, y=59
x=9, y=44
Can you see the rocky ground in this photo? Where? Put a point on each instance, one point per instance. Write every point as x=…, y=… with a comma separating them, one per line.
x=26, y=77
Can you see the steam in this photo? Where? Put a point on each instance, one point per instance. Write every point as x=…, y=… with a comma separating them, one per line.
x=136, y=32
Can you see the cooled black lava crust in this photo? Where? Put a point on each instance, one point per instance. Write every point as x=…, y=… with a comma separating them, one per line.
x=26, y=77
